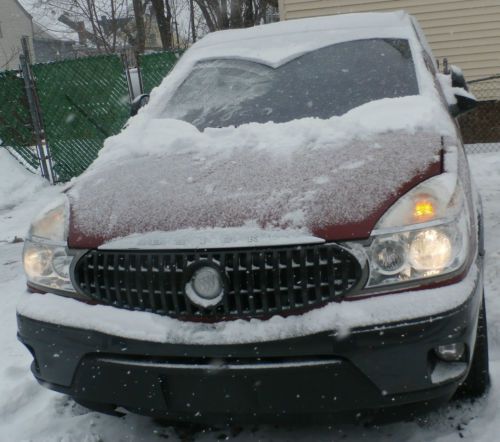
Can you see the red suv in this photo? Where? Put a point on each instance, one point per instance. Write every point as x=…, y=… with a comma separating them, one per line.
x=288, y=229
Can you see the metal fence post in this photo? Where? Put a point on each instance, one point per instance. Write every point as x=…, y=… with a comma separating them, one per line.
x=139, y=72
x=42, y=148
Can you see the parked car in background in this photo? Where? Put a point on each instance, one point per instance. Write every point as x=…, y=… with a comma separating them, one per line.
x=287, y=230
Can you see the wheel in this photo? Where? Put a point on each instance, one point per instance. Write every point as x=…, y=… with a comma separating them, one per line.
x=477, y=381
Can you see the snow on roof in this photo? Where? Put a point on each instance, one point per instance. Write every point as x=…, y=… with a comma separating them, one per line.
x=341, y=22
x=277, y=43
x=40, y=32
x=46, y=18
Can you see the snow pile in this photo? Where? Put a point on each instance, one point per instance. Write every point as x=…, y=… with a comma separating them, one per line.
x=166, y=175
x=147, y=135
x=22, y=196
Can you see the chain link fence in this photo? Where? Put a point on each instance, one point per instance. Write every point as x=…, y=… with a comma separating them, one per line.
x=481, y=127
x=83, y=101
x=16, y=130
x=80, y=102
x=155, y=67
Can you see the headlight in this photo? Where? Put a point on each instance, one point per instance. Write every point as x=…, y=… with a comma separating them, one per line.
x=46, y=257
x=425, y=234
x=431, y=250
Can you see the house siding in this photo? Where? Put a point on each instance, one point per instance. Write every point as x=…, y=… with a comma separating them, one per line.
x=467, y=32
x=15, y=23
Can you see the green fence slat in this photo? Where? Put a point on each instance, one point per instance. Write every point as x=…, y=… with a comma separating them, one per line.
x=83, y=101
x=16, y=130
x=155, y=67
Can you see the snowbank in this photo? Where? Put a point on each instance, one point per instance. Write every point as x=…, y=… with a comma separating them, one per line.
x=22, y=196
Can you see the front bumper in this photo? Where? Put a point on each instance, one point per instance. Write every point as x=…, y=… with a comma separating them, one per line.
x=374, y=367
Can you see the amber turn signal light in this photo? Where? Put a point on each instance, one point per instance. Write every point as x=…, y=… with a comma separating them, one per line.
x=424, y=210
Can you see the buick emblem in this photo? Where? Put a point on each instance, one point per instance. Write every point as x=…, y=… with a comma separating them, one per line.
x=205, y=288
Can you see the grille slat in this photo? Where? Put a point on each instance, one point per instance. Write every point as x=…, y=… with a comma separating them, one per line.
x=250, y=282
x=127, y=275
x=289, y=279
x=165, y=300
x=276, y=280
x=258, y=282
x=138, y=280
x=151, y=284
x=331, y=274
x=303, y=277
x=172, y=275
x=236, y=282
x=263, y=281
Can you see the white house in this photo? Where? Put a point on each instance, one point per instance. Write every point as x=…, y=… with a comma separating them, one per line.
x=15, y=23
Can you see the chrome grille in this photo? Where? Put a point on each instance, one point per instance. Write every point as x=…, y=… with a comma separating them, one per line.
x=259, y=282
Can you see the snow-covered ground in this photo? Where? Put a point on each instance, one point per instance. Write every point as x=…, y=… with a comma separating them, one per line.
x=28, y=412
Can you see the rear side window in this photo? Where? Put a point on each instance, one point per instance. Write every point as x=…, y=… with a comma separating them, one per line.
x=322, y=83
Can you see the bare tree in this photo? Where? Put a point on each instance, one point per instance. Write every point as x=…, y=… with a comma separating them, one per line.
x=99, y=23
x=140, y=28
x=225, y=14
x=163, y=13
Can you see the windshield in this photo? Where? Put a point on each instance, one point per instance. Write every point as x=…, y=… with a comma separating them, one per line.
x=322, y=83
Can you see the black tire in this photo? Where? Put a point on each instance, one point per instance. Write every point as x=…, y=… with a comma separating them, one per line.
x=478, y=380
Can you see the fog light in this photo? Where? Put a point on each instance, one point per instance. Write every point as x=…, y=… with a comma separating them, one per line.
x=450, y=352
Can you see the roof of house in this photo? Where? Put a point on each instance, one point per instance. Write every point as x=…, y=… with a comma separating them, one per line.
x=40, y=32
x=22, y=8
x=45, y=21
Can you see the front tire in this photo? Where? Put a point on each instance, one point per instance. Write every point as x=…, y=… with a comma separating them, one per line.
x=478, y=380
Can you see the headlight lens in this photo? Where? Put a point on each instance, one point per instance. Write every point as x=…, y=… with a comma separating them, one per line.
x=432, y=238
x=431, y=250
x=46, y=257
x=37, y=260
x=47, y=266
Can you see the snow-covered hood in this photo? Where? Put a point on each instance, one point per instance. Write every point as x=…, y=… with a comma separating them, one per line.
x=332, y=179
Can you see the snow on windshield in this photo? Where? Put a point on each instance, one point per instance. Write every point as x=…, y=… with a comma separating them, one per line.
x=322, y=83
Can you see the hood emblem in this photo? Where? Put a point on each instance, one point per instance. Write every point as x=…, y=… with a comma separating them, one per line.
x=205, y=287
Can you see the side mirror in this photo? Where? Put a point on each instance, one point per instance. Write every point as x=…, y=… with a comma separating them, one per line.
x=457, y=78
x=137, y=103
x=465, y=102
